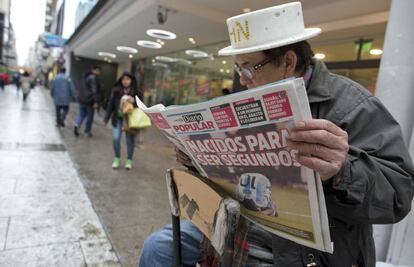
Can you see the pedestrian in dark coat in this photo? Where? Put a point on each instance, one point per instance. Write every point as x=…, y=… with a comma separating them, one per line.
x=62, y=91
x=88, y=98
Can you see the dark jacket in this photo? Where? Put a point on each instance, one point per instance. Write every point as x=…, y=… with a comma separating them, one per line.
x=62, y=90
x=114, y=102
x=376, y=182
x=90, y=90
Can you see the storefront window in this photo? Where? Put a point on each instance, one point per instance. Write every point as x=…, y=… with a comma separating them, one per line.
x=348, y=49
x=178, y=79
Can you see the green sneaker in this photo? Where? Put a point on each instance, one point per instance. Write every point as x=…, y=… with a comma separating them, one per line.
x=116, y=163
x=128, y=164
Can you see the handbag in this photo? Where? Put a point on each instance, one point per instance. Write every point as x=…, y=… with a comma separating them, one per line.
x=137, y=119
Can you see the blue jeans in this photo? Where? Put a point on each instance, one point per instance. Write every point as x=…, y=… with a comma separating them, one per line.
x=116, y=140
x=85, y=111
x=157, y=250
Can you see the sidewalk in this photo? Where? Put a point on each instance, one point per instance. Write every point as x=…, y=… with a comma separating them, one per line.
x=131, y=204
x=46, y=217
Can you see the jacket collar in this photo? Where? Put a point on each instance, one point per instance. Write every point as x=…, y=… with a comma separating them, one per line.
x=318, y=89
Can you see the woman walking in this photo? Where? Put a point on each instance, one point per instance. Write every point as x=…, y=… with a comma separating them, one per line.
x=26, y=85
x=125, y=87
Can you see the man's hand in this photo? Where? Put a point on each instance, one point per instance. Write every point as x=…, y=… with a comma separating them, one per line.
x=183, y=158
x=322, y=146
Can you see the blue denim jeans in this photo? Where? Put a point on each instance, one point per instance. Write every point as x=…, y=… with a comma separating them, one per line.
x=116, y=140
x=157, y=250
x=85, y=111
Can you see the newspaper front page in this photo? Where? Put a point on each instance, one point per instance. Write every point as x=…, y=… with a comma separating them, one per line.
x=238, y=141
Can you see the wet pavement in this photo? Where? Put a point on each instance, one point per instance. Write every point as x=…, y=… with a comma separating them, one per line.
x=61, y=204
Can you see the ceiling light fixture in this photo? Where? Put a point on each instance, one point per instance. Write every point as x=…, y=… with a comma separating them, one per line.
x=375, y=52
x=183, y=61
x=246, y=10
x=127, y=49
x=131, y=56
x=319, y=56
x=156, y=33
x=191, y=40
x=227, y=71
x=165, y=59
x=221, y=70
x=158, y=64
x=196, y=53
x=224, y=62
x=106, y=54
x=149, y=44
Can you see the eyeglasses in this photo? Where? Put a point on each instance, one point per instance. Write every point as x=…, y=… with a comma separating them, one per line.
x=248, y=71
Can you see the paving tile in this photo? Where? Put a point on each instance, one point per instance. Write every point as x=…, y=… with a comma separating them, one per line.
x=43, y=203
x=7, y=185
x=3, y=231
x=99, y=253
x=26, y=231
x=59, y=255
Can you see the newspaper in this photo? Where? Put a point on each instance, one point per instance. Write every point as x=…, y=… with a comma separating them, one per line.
x=238, y=141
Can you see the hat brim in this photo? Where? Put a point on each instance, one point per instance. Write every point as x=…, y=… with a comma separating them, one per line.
x=306, y=34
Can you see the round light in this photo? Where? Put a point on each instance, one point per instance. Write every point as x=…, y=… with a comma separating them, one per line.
x=191, y=40
x=165, y=59
x=158, y=64
x=127, y=49
x=196, y=53
x=224, y=62
x=156, y=33
x=183, y=61
x=227, y=71
x=149, y=44
x=221, y=70
x=319, y=56
x=106, y=54
x=246, y=10
x=375, y=52
x=131, y=56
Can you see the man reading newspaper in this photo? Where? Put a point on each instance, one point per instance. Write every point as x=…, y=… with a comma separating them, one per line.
x=352, y=142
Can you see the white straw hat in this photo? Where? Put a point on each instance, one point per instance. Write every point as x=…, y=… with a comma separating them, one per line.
x=267, y=28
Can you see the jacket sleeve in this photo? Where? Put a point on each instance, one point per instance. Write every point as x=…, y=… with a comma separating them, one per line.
x=72, y=89
x=375, y=184
x=93, y=83
x=110, y=107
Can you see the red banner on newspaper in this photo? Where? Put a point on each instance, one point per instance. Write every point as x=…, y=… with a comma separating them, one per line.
x=224, y=116
x=159, y=120
x=277, y=105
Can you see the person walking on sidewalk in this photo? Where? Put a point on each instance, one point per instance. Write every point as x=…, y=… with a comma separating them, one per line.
x=26, y=84
x=352, y=141
x=88, y=97
x=62, y=91
x=16, y=80
x=125, y=86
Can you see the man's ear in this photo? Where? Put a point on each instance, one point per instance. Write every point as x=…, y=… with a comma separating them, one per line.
x=290, y=63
